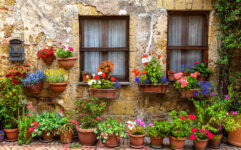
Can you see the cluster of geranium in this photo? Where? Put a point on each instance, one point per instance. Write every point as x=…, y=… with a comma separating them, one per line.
x=45, y=52
x=200, y=134
x=183, y=79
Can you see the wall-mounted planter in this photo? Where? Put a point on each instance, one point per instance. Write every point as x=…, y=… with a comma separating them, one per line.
x=188, y=93
x=160, y=88
x=67, y=63
x=104, y=93
x=36, y=89
x=48, y=59
x=58, y=87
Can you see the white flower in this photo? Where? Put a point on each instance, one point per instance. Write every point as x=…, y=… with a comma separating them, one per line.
x=90, y=82
x=99, y=82
x=100, y=73
x=93, y=75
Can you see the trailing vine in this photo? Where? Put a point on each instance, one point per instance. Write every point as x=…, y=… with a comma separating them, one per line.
x=229, y=15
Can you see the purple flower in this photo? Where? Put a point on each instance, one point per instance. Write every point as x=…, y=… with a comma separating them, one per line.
x=213, y=93
x=138, y=120
x=137, y=80
x=227, y=113
x=227, y=97
x=234, y=113
x=151, y=124
x=220, y=128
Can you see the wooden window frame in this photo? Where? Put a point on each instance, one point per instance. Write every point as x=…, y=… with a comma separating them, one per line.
x=104, y=49
x=204, y=49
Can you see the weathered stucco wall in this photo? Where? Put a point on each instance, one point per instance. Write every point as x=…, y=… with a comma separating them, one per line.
x=46, y=23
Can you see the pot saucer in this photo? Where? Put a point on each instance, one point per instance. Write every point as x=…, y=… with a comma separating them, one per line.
x=112, y=146
x=11, y=140
x=214, y=147
x=136, y=147
x=44, y=141
x=155, y=147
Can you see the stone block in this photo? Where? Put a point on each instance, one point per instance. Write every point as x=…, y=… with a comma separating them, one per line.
x=180, y=5
x=188, y=4
x=123, y=107
x=87, y=10
x=168, y=4
x=197, y=5
x=10, y=2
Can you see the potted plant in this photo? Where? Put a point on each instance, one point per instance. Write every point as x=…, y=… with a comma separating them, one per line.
x=34, y=82
x=56, y=79
x=187, y=85
x=103, y=85
x=157, y=132
x=171, y=75
x=200, y=138
x=65, y=56
x=2, y=133
x=202, y=69
x=136, y=131
x=89, y=114
x=151, y=79
x=10, y=97
x=47, y=55
x=47, y=124
x=86, y=76
x=110, y=131
x=180, y=128
x=66, y=129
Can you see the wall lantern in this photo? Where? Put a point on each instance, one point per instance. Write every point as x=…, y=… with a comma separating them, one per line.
x=16, y=50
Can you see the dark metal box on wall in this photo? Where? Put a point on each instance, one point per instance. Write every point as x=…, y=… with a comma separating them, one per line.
x=16, y=50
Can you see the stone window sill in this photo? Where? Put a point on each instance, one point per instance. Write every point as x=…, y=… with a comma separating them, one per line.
x=121, y=83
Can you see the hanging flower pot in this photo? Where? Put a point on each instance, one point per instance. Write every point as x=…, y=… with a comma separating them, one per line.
x=36, y=89
x=176, y=143
x=201, y=78
x=58, y=87
x=66, y=137
x=67, y=63
x=137, y=140
x=201, y=144
x=86, y=76
x=11, y=134
x=215, y=141
x=188, y=93
x=156, y=142
x=48, y=59
x=104, y=93
x=112, y=141
x=34, y=82
x=87, y=137
x=47, y=55
x=48, y=136
x=160, y=88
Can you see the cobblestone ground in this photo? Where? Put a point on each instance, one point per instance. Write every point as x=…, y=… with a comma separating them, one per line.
x=56, y=145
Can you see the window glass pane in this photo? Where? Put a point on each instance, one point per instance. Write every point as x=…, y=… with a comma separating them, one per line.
x=92, y=61
x=175, y=30
x=117, y=33
x=175, y=60
x=195, y=36
x=92, y=33
x=118, y=58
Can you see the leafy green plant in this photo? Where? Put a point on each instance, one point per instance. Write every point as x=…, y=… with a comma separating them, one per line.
x=65, y=125
x=110, y=127
x=89, y=113
x=64, y=52
x=56, y=75
x=201, y=68
x=159, y=129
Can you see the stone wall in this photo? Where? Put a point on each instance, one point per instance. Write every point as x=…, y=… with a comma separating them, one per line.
x=46, y=23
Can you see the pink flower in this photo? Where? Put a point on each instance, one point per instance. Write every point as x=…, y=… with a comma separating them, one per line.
x=151, y=124
x=70, y=48
x=220, y=128
x=134, y=130
x=29, y=114
x=210, y=135
x=98, y=118
x=178, y=75
x=60, y=110
x=227, y=113
x=182, y=118
x=183, y=82
x=191, y=117
x=234, y=113
x=142, y=124
x=64, y=47
x=195, y=74
x=201, y=130
x=213, y=93
x=194, y=130
x=206, y=131
x=227, y=96
x=60, y=43
x=196, y=62
x=192, y=137
x=138, y=120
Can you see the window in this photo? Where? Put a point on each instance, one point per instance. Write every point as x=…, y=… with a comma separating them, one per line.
x=105, y=38
x=187, y=38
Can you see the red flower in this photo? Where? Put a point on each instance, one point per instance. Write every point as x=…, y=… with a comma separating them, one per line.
x=210, y=135
x=112, y=79
x=98, y=118
x=136, y=72
x=60, y=110
x=144, y=72
x=206, y=131
x=194, y=130
x=159, y=56
x=96, y=77
x=109, y=126
x=82, y=105
x=205, y=61
x=192, y=137
x=101, y=104
x=146, y=64
x=182, y=118
x=153, y=52
x=196, y=62
x=104, y=135
x=201, y=130
x=103, y=75
x=192, y=117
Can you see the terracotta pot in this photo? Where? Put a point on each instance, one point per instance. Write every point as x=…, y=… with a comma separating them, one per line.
x=201, y=78
x=156, y=141
x=87, y=137
x=177, y=143
x=151, y=88
x=234, y=137
x=66, y=137
x=188, y=93
x=49, y=59
x=112, y=141
x=215, y=141
x=104, y=93
x=58, y=87
x=200, y=145
x=11, y=134
x=137, y=140
x=171, y=77
x=46, y=137
x=67, y=63
x=37, y=88
x=86, y=77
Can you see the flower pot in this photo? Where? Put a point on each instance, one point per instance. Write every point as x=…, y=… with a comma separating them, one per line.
x=87, y=137
x=215, y=141
x=171, y=77
x=156, y=142
x=67, y=63
x=201, y=78
x=112, y=141
x=188, y=93
x=234, y=137
x=160, y=88
x=200, y=145
x=177, y=143
x=48, y=59
x=58, y=87
x=137, y=140
x=36, y=89
x=86, y=77
x=104, y=93
x=11, y=134
x=66, y=137
x=49, y=137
